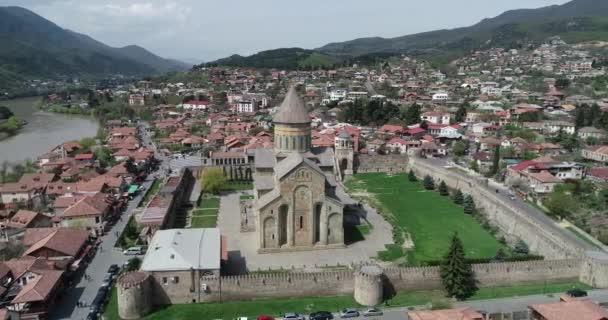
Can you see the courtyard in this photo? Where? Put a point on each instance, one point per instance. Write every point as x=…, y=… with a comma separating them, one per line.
x=363, y=243
x=425, y=217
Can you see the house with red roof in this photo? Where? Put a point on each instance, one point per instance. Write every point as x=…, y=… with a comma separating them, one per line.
x=391, y=130
x=88, y=213
x=55, y=243
x=397, y=145
x=568, y=309
x=24, y=219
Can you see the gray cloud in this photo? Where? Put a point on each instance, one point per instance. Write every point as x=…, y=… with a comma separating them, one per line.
x=210, y=29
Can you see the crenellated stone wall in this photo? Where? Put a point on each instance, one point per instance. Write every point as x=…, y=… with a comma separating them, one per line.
x=363, y=284
x=392, y=163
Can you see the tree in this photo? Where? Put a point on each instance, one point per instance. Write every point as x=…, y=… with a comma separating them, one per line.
x=411, y=176
x=496, y=161
x=213, y=180
x=428, y=183
x=5, y=113
x=501, y=255
x=459, y=148
x=521, y=248
x=133, y=264
x=469, y=204
x=412, y=114
x=131, y=167
x=474, y=166
x=461, y=114
x=443, y=189
x=456, y=273
x=562, y=83
x=560, y=204
x=458, y=197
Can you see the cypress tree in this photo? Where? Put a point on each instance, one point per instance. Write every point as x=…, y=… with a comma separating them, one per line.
x=496, y=160
x=428, y=183
x=411, y=176
x=443, y=189
x=458, y=197
x=457, y=274
x=469, y=205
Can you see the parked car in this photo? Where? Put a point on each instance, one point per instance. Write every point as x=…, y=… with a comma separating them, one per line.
x=92, y=316
x=321, y=315
x=293, y=316
x=349, y=313
x=134, y=251
x=265, y=318
x=372, y=312
x=107, y=280
x=113, y=269
x=576, y=293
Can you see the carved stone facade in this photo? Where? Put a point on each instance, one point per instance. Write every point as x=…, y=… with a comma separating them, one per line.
x=294, y=187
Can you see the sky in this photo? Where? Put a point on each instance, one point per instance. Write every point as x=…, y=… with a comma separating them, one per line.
x=204, y=30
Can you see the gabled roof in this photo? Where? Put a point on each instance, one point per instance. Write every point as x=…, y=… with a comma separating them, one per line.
x=567, y=310
x=291, y=162
x=87, y=206
x=62, y=240
x=183, y=249
x=40, y=288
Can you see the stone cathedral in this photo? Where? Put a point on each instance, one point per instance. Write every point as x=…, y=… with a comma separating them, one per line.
x=296, y=204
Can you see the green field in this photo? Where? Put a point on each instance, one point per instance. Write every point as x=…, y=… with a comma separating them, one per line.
x=275, y=307
x=429, y=218
x=205, y=214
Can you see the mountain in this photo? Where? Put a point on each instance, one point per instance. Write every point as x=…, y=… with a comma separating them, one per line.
x=575, y=20
x=286, y=58
x=35, y=47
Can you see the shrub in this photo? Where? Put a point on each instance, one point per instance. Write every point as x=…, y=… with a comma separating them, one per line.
x=428, y=182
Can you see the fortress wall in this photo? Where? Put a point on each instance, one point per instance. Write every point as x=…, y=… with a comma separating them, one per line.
x=510, y=220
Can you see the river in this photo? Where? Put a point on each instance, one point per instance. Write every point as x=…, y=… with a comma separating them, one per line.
x=43, y=131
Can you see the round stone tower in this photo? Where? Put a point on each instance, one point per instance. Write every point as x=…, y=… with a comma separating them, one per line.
x=594, y=269
x=134, y=295
x=369, y=290
x=292, y=125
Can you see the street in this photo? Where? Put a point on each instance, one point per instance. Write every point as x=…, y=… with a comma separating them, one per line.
x=107, y=254
x=506, y=305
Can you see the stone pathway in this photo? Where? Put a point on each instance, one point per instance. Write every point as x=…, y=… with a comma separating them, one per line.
x=243, y=247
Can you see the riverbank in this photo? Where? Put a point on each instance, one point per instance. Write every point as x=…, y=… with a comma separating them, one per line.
x=44, y=130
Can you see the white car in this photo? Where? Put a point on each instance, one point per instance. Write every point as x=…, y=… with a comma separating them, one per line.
x=372, y=312
x=292, y=316
x=349, y=313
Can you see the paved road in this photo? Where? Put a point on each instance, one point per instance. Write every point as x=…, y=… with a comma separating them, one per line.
x=506, y=305
x=533, y=213
x=86, y=290
x=107, y=255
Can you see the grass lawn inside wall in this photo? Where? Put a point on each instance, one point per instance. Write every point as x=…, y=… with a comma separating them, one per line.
x=428, y=217
x=276, y=307
x=205, y=214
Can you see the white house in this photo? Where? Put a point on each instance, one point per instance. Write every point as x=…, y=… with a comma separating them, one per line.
x=337, y=95
x=441, y=96
x=196, y=105
x=435, y=117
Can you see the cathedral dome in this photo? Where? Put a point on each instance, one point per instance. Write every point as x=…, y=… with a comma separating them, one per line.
x=292, y=110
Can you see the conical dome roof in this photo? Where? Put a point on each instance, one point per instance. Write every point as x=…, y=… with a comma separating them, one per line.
x=292, y=110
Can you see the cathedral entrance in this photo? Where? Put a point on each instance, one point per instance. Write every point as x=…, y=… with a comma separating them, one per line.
x=283, y=214
x=334, y=225
x=270, y=240
x=343, y=166
x=317, y=223
x=303, y=213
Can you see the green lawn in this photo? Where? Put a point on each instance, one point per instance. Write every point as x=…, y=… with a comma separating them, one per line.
x=238, y=186
x=429, y=218
x=151, y=191
x=275, y=307
x=204, y=222
x=211, y=202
